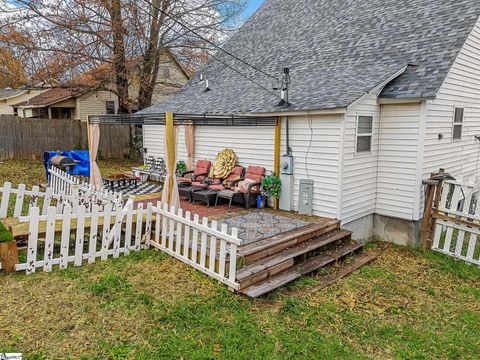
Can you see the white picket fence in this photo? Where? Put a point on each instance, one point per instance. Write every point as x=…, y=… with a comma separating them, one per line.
x=21, y=200
x=457, y=226
x=65, y=184
x=60, y=181
x=201, y=245
x=60, y=239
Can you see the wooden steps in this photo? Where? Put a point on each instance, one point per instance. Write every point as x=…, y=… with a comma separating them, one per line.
x=273, y=264
x=303, y=268
x=263, y=248
x=280, y=259
x=344, y=270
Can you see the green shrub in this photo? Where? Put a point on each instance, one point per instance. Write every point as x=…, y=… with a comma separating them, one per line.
x=271, y=186
x=5, y=235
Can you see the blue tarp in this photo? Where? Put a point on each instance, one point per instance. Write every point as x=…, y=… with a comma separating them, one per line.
x=82, y=167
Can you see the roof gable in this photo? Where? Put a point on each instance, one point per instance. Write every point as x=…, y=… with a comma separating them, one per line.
x=336, y=50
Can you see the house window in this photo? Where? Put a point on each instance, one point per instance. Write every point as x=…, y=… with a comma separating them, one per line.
x=110, y=107
x=364, y=134
x=458, y=123
x=166, y=73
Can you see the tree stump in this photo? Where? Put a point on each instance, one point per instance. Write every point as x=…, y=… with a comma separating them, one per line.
x=8, y=256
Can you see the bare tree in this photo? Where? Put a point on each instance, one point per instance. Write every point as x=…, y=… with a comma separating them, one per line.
x=113, y=42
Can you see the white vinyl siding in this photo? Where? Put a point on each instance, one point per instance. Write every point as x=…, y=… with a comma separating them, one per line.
x=254, y=145
x=461, y=89
x=359, y=175
x=315, y=142
x=397, y=160
x=94, y=104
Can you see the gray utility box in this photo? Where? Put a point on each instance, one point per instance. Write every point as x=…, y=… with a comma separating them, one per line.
x=286, y=195
x=305, y=197
x=286, y=165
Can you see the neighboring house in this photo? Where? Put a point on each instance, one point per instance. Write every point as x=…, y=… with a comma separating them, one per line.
x=8, y=97
x=382, y=93
x=61, y=103
x=172, y=76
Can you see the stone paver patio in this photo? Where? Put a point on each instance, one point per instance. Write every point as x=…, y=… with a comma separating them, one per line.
x=258, y=225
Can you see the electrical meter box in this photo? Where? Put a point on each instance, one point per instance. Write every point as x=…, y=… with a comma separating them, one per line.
x=286, y=165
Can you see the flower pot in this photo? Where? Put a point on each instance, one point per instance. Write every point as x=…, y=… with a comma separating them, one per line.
x=271, y=202
x=8, y=256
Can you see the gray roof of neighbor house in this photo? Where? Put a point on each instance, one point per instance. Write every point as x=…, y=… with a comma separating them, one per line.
x=9, y=93
x=336, y=50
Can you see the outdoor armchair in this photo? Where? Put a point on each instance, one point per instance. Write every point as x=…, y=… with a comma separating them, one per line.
x=200, y=173
x=245, y=189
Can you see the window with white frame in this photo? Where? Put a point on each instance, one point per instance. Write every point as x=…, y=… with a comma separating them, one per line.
x=364, y=134
x=458, y=123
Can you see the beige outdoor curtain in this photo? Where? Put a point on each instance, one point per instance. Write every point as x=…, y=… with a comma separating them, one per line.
x=190, y=145
x=94, y=140
x=170, y=193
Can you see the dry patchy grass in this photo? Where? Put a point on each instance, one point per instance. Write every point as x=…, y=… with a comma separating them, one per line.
x=147, y=305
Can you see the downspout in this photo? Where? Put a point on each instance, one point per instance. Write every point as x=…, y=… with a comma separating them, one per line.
x=287, y=133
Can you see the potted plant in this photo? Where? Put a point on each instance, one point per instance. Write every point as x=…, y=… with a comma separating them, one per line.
x=8, y=250
x=271, y=187
x=181, y=168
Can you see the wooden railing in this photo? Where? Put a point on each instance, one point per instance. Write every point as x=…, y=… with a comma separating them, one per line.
x=454, y=218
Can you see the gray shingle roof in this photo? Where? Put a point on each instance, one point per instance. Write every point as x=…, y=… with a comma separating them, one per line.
x=336, y=50
x=8, y=93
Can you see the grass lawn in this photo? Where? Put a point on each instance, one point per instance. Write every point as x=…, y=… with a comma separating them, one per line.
x=405, y=305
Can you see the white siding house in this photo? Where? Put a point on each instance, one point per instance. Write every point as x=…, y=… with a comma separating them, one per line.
x=374, y=109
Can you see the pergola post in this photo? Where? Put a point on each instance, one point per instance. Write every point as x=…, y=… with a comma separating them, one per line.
x=170, y=193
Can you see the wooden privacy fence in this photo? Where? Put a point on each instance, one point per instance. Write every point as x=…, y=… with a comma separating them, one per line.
x=22, y=138
x=60, y=239
x=451, y=223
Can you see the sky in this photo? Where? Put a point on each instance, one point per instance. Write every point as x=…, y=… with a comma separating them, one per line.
x=252, y=5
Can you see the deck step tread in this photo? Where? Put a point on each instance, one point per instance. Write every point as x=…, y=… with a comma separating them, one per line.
x=266, y=244
x=301, y=269
x=360, y=260
x=290, y=253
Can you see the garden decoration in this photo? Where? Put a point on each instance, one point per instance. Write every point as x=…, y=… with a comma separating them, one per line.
x=8, y=250
x=224, y=164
